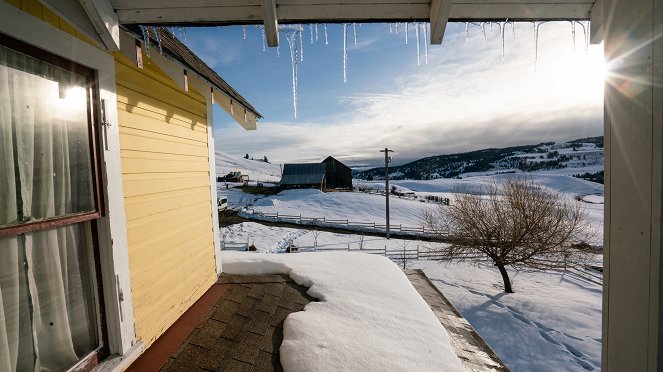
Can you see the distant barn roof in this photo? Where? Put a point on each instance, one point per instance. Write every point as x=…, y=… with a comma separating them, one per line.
x=303, y=174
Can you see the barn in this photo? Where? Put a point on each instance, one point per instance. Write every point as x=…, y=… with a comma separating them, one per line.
x=338, y=175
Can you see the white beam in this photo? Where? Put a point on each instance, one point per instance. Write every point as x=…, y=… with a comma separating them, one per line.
x=271, y=22
x=103, y=18
x=439, y=16
x=596, y=23
x=72, y=12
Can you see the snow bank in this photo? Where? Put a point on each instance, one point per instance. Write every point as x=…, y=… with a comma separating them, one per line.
x=256, y=170
x=369, y=317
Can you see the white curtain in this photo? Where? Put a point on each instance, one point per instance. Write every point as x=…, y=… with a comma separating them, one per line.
x=47, y=316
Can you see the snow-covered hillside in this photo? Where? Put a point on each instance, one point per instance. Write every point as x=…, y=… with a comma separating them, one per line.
x=576, y=157
x=257, y=170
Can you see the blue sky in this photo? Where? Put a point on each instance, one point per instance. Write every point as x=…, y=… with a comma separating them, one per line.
x=464, y=99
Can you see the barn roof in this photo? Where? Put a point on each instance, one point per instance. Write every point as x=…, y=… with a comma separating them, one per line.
x=303, y=174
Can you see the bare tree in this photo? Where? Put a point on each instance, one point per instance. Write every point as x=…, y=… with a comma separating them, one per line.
x=515, y=223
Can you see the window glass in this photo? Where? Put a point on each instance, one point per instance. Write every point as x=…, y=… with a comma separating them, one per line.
x=47, y=313
x=45, y=154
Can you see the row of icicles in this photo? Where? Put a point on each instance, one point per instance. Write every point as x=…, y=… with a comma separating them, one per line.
x=294, y=35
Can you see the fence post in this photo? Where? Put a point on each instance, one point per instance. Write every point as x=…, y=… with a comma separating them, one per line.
x=347, y=222
x=348, y=247
x=324, y=218
x=277, y=214
x=300, y=218
x=417, y=251
x=385, y=250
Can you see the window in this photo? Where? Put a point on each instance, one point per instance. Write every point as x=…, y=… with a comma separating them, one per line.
x=49, y=203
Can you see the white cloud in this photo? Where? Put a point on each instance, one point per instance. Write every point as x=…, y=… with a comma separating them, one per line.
x=465, y=99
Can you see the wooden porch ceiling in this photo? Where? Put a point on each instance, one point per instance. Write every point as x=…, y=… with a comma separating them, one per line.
x=272, y=12
x=222, y=12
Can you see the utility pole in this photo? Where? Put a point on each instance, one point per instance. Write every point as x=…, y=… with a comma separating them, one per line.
x=387, y=159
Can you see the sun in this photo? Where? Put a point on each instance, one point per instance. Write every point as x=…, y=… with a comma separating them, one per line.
x=581, y=71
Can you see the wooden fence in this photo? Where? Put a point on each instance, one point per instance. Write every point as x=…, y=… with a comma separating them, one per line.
x=343, y=223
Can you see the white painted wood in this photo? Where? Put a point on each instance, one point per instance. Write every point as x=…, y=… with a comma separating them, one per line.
x=112, y=227
x=172, y=68
x=235, y=110
x=74, y=13
x=271, y=22
x=204, y=88
x=633, y=246
x=439, y=16
x=128, y=47
x=209, y=98
x=356, y=12
x=596, y=23
x=103, y=18
x=119, y=363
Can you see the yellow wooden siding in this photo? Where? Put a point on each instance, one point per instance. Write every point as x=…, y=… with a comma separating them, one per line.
x=165, y=175
x=37, y=10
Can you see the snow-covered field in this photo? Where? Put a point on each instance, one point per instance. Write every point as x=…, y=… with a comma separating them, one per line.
x=551, y=323
x=256, y=170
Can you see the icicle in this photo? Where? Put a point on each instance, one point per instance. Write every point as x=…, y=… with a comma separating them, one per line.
x=467, y=32
x=354, y=32
x=278, y=51
x=310, y=27
x=573, y=35
x=483, y=29
x=391, y=28
x=301, y=45
x=585, y=30
x=502, y=29
x=291, y=36
x=416, y=33
x=157, y=35
x=146, y=39
x=513, y=29
x=425, y=30
x=263, y=38
x=536, y=43
x=490, y=24
x=172, y=29
x=184, y=30
x=345, y=52
x=326, y=38
x=316, y=32
x=407, y=31
x=244, y=31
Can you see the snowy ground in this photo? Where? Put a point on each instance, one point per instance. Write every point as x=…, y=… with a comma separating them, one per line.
x=551, y=323
x=353, y=290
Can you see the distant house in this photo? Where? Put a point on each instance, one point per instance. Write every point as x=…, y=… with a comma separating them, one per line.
x=329, y=174
x=304, y=175
x=338, y=175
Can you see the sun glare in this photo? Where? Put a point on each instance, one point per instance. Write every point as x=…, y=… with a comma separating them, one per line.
x=74, y=99
x=581, y=72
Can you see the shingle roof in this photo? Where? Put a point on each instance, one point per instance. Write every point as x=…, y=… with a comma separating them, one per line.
x=175, y=49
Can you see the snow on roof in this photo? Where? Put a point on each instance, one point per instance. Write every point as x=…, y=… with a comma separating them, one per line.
x=369, y=317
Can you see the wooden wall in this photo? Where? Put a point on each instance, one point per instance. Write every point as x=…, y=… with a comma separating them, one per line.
x=165, y=171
